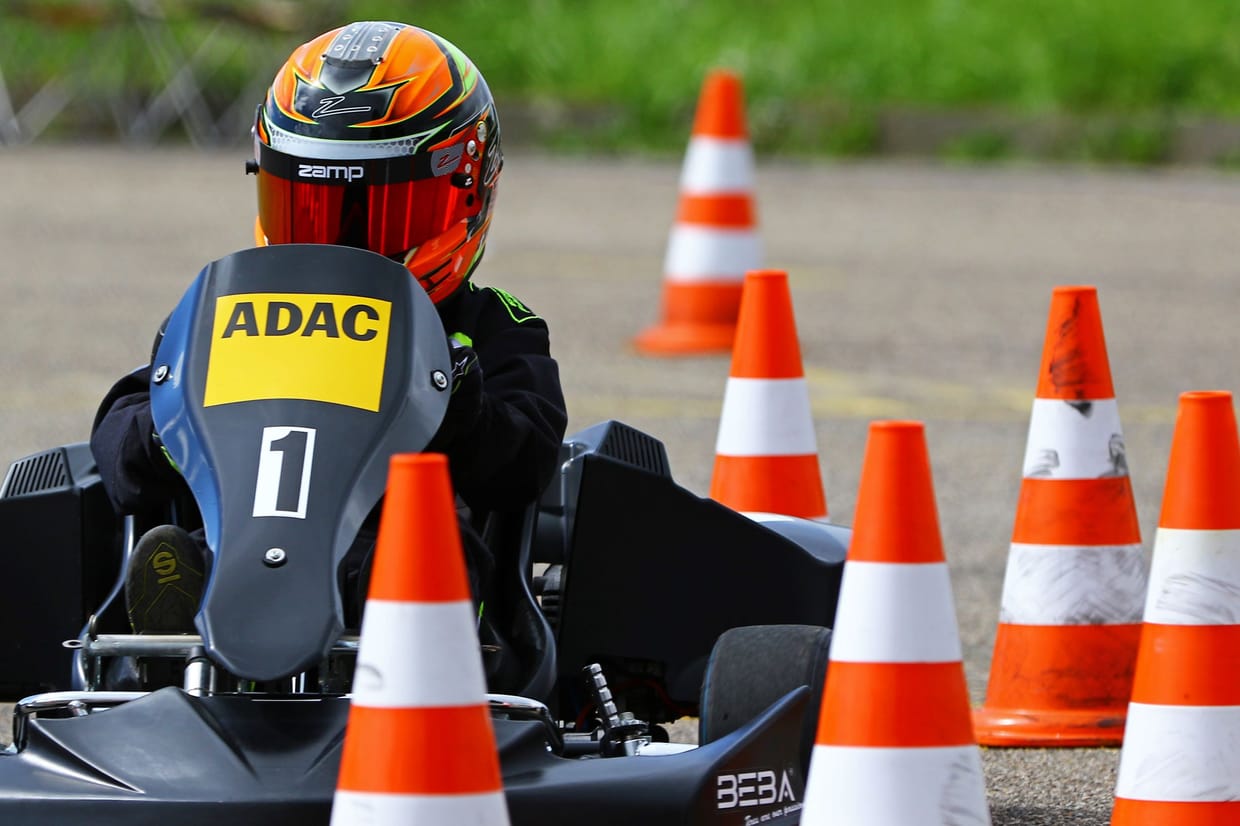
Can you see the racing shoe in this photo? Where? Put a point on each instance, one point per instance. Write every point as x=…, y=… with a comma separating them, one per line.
x=163, y=584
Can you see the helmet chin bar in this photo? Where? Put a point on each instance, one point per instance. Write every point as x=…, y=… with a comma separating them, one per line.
x=442, y=259
x=432, y=284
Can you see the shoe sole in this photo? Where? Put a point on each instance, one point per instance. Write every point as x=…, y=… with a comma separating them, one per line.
x=163, y=590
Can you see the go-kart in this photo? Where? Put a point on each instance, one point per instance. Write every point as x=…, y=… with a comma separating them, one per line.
x=286, y=378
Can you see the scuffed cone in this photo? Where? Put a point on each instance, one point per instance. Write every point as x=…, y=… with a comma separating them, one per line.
x=1070, y=615
x=1075, y=366
x=1180, y=763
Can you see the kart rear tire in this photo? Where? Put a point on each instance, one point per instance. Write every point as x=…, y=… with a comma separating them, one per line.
x=753, y=666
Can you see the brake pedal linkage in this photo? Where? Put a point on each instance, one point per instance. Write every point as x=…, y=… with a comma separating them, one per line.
x=623, y=734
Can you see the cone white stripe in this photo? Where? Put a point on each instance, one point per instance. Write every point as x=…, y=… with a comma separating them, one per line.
x=909, y=596
x=417, y=654
x=1180, y=754
x=1194, y=578
x=1073, y=585
x=1081, y=440
x=717, y=166
x=854, y=785
x=372, y=808
x=766, y=417
x=699, y=253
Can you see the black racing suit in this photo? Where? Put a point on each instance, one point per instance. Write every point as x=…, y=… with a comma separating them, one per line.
x=501, y=462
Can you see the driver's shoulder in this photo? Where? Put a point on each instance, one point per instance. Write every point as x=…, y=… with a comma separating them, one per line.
x=488, y=305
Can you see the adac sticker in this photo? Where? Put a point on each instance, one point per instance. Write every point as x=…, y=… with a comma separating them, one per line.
x=327, y=348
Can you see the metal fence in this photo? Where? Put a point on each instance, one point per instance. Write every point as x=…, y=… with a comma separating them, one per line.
x=139, y=71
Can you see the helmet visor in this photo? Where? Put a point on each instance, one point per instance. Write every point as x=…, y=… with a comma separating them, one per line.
x=386, y=205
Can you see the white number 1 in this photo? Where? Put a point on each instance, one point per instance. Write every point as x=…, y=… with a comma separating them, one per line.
x=284, y=463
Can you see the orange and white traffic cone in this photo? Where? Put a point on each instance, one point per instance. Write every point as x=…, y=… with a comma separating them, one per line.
x=766, y=454
x=1180, y=762
x=1070, y=615
x=419, y=746
x=714, y=240
x=895, y=743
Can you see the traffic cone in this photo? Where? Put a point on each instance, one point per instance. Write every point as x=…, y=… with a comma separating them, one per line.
x=895, y=743
x=419, y=746
x=766, y=454
x=1070, y=617
x=1180, y=762
x=713, y=240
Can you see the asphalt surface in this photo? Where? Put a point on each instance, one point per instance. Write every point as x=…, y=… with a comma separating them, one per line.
x=920, y=293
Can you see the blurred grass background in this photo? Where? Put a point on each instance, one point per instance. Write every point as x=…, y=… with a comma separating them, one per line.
x=1137, y=81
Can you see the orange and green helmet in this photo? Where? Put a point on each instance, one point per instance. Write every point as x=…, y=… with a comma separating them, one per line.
x=383, y=136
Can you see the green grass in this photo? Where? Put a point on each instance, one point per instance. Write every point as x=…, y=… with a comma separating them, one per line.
x=816, y=72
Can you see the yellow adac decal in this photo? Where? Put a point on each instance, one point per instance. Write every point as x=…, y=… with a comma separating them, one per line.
x=327, y=348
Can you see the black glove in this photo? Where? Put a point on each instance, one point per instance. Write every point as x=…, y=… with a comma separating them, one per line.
x=465, y=404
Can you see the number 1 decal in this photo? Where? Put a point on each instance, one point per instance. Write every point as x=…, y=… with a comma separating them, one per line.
x=284, y=463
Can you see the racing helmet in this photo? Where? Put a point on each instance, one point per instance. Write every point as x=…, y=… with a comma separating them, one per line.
x=383, y=136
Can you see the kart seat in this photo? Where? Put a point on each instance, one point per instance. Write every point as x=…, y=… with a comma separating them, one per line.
x=510, y=535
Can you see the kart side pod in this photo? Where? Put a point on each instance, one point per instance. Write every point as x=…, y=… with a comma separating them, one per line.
x=60, y=553
x=653, y=574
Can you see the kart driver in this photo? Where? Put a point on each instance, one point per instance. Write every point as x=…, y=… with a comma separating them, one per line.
x=412, y=111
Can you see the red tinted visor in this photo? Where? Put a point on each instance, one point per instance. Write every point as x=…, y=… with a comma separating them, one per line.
x=386, y=205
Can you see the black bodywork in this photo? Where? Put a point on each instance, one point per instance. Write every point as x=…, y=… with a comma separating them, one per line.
x=616, y=566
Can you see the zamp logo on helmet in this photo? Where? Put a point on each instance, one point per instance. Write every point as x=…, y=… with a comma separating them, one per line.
x=334, y=173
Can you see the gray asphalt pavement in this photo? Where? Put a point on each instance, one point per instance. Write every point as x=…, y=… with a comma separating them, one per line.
x=920, y=292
